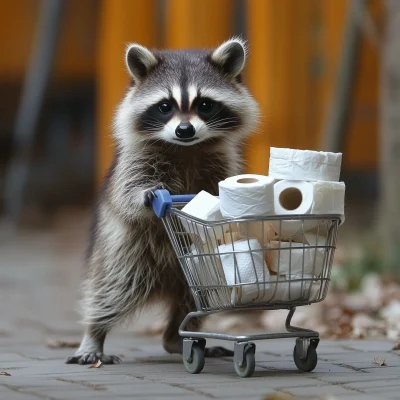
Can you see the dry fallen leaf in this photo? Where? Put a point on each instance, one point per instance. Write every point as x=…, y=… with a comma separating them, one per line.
x=278, y=396
x=285, y=396
x=97, y=365
x=62, y=344
x=3, y=373
x=380, y=361
x=396, y=346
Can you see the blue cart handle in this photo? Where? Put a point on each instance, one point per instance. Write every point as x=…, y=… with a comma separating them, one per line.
x=164, y=200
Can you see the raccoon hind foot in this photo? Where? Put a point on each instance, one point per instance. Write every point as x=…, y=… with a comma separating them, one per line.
x=92, y=358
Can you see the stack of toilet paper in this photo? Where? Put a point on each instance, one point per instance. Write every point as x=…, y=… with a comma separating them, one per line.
x=272, y=260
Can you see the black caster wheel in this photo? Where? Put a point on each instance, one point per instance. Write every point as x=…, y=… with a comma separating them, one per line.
x=246, y=369
x=196, y=363
x=306, y=364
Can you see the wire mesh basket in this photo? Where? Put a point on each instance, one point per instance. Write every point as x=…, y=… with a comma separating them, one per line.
x=250, y=263
x=263, y=262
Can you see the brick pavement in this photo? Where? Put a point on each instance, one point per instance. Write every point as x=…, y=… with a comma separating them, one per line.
x=39, y=276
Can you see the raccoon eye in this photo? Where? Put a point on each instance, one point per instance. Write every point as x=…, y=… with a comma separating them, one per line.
x=165, y=107
x=205, y=106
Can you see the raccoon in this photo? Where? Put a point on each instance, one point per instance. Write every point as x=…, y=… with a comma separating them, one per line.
x=180, y=126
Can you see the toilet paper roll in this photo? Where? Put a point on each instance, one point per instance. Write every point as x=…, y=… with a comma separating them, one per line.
x=329, y=198
x=246, y=196
x=281, y=289
x=299, y=197
x=292, y=197
x=230, y=237
x=243, y=264
x=206, y=207
x=263, y=231
x=300, y=288
x=306, y=294
x=257, y=294
x=304, y=165
x=291, y=256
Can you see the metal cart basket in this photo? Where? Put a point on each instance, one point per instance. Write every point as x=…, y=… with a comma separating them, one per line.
x=264, y=263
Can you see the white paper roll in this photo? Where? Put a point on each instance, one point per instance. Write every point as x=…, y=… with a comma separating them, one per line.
x=246, y=195
x=206, y=207
x=282, y=289
x=254, y=293
x=301, y=287
x=263, y=231
x=299, y=197
x=246, y=267
x=293, y=197
x=329, y=198
x=291, y=257
x=304, y=165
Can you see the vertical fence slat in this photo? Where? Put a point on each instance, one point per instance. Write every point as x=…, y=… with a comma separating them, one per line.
x=198, y=24
x=259, y=77
x=121, y=21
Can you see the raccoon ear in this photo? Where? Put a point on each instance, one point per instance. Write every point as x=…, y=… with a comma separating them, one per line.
x=139, y=61
x=230, y=56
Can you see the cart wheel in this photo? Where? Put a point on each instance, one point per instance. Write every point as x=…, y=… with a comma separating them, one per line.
x=249, y=363
x=196, y=365
x=307, y=364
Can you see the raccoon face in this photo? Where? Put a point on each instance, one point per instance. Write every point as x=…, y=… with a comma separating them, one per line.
x=186, y=98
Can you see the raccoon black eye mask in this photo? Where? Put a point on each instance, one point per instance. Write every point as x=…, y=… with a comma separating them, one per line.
x=215, y=116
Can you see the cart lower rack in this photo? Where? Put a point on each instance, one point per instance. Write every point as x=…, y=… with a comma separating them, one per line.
x=247, y=264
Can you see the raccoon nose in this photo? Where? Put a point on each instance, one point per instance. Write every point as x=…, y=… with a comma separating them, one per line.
x=185, y=130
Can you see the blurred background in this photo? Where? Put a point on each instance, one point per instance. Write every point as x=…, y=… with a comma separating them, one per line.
x=325, y=72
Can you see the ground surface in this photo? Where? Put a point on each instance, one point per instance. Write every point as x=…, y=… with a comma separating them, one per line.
x=39, y=276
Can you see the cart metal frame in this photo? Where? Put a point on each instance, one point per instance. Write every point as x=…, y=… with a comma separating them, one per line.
x=198, y=243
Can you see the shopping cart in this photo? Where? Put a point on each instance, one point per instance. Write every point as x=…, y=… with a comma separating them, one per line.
x=223, y=262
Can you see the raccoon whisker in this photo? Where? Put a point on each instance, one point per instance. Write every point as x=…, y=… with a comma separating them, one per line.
x=222, y=123
x=210, y=122
x=222, y=128
x=155, y=120
x=160, y=123
x=152, y=125
x=215, y=123
x=214, y=115
x=218, y=130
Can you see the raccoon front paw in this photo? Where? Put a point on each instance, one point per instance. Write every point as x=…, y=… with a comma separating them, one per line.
x=150, y=194
x=92, y=358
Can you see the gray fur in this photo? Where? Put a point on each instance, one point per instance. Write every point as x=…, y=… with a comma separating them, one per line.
x=131, y=261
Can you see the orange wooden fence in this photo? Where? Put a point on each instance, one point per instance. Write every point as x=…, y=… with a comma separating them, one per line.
x=294, y=53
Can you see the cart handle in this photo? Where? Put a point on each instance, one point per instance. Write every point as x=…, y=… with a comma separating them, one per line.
x=164, y=200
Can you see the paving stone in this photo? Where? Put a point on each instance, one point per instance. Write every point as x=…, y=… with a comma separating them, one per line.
x=375, y=386
x=38, y=273
x=321, y=390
